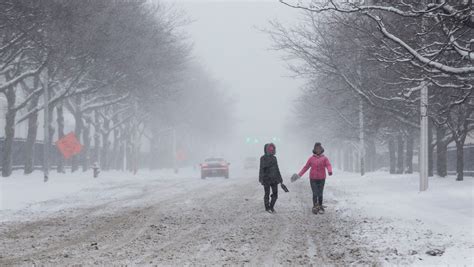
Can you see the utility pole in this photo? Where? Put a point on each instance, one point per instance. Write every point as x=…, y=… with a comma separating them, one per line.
x=361, y=137
x=423, y=157
x=361, y=111
x=46, y=127
x=423, y=137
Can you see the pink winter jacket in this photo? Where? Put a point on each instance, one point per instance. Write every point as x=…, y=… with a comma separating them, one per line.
x=318, y=165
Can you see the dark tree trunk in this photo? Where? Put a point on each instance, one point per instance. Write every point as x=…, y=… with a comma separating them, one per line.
x=357, y=162
x=122, y=163
x=78, y=132
x=409, y=152
x=7, y=152
x=128, y=155
x=371, y=154
x=460, y=160
x=31, y=137
x=392, y=158
x=128, y=151
x=51, y=129
x=60, y=122
x=116, y=151
x=134, y=153
x=441, y=152
x=104, y=159
x=97, y=148
x=119, y=158
x=430, y=148
x=96, y=138
x=400, y=154
x=86, y=149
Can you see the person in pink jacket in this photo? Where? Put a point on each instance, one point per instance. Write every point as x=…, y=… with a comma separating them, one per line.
x=318, y=163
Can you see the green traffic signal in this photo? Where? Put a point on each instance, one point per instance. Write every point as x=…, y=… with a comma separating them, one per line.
x=250, y=140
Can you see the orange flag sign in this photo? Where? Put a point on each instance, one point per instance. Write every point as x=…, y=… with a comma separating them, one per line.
x=69, y=145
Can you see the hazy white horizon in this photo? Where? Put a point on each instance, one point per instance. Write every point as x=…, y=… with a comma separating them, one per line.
x=229, y=43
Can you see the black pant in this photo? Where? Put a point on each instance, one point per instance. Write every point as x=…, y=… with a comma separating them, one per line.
x=266, y=198
x=318, y=187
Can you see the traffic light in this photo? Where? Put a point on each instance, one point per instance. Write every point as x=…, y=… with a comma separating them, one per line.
x=251, y=140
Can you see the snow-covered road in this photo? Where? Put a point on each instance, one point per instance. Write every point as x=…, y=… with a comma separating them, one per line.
x=182, y=220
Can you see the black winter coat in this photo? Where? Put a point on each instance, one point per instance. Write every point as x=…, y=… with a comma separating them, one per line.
x=269, y=171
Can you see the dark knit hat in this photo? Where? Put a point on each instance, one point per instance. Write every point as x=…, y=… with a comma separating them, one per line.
x=317, y=144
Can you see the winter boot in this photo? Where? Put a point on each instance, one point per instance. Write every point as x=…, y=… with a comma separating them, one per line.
x=266, y=202
x=321, y=209
x=315, y=208
x=273, y=201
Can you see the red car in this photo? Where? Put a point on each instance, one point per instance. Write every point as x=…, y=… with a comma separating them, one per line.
x=215, y=167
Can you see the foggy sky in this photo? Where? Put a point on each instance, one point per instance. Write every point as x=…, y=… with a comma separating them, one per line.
x=229, y=43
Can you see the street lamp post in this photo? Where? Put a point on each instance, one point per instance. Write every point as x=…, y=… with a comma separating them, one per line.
x=46, y=127
x=424, y=123
x=423, y=137
x=361, y=137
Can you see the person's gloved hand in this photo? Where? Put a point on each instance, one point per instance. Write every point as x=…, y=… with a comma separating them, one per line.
x=295, y=177
x=330, y=173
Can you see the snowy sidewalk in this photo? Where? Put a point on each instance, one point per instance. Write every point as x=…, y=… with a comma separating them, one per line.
x=405, y=219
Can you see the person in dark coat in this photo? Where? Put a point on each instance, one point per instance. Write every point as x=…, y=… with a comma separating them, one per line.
x=269, y=176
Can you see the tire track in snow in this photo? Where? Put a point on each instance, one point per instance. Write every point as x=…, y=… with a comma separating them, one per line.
x=87, y=233
x=211, y=222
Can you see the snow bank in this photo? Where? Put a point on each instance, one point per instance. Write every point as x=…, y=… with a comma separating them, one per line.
x=446, y=203
x=29, y=194
x=444, y=214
